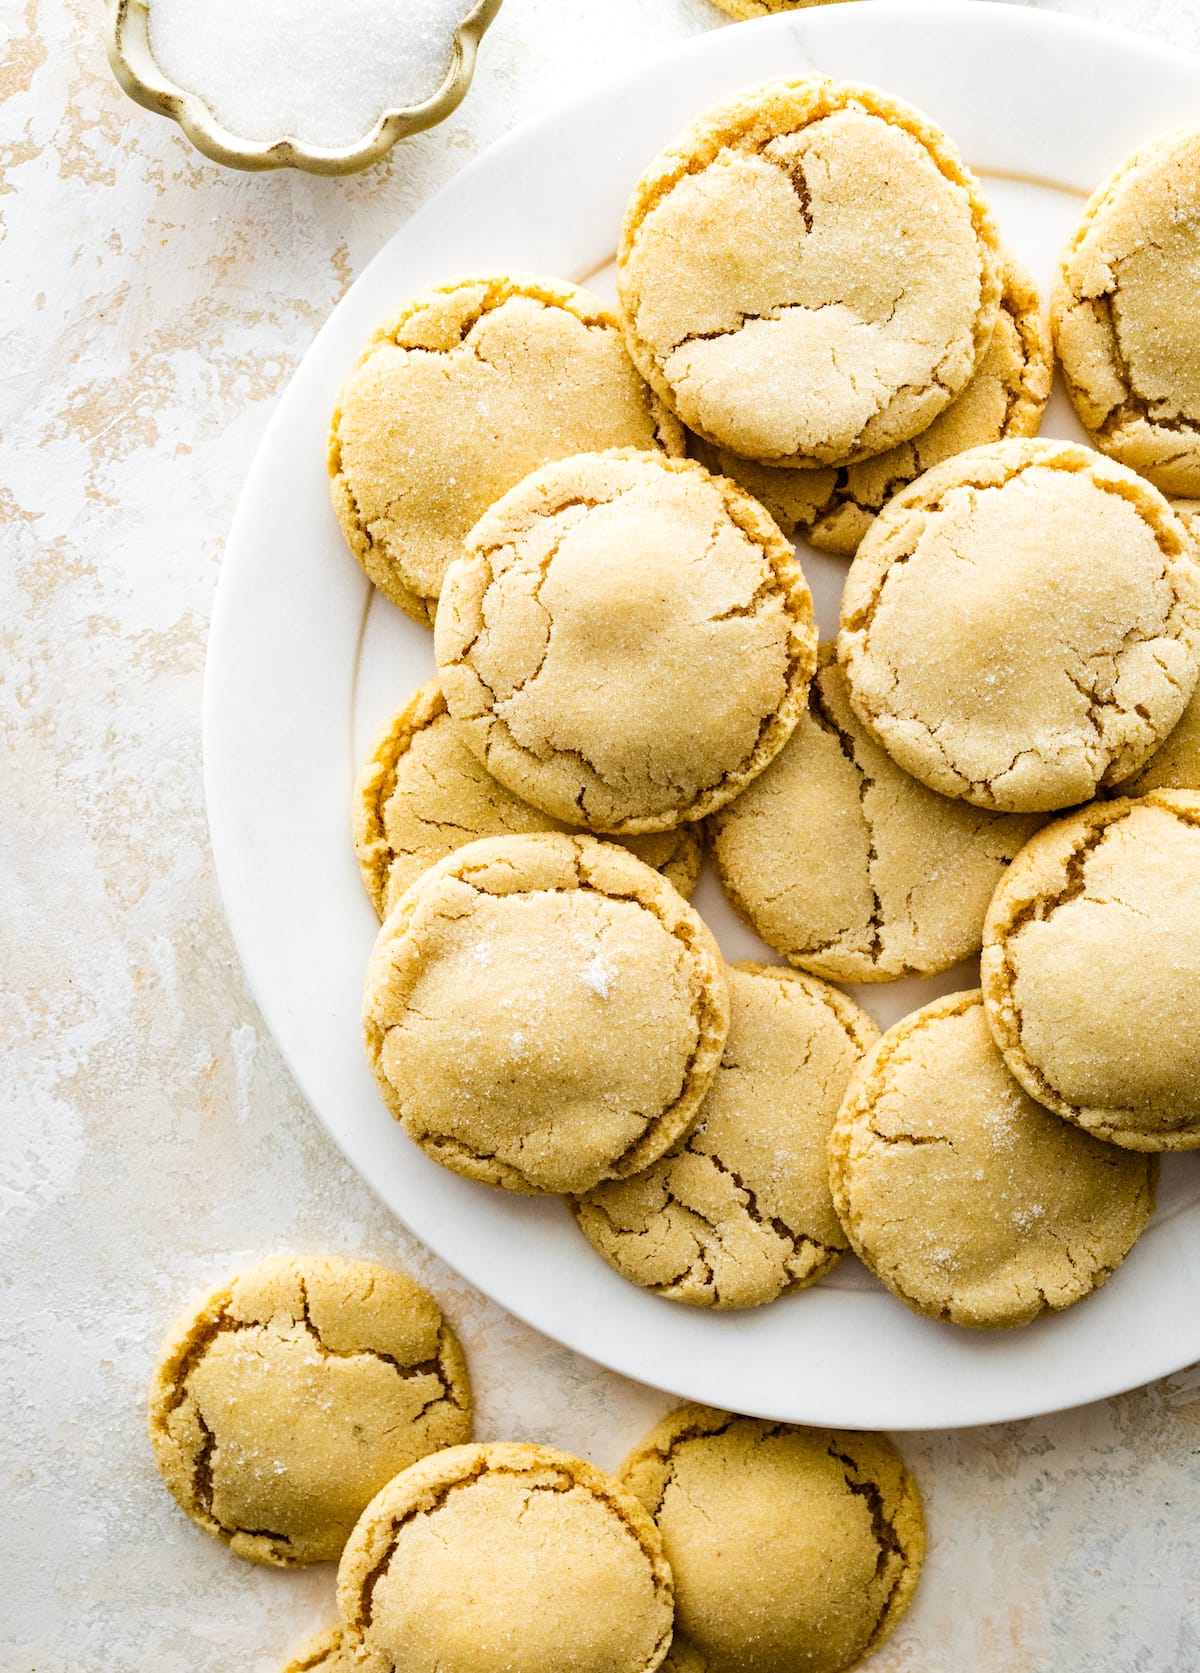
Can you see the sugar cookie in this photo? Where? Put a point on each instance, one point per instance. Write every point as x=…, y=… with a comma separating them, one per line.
x=1022, y=625
x=1126, y=313
x=966, y=1198
x=791, y=1548
x=626, y=641
x=287, y=1399
x=809, y=274
x=1091, y=969
x=492, y=1558
x=544, y=1012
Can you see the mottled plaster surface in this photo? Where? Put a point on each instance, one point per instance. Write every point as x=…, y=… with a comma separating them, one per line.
x=153, y=307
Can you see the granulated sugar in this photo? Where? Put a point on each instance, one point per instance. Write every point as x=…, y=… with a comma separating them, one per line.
x=320, y=71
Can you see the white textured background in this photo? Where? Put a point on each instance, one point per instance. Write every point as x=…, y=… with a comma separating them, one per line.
x=153, y=306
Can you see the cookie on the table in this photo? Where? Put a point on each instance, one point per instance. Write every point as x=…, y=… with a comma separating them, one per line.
x=1126, y=313
x=421, y=794
x=471, y=386
x=544, y=1012
x=283, y=1403
x=833, y=509
x=970, y=1201
x=325, y=1653
x=809, y=274
x=1091, y=969
x=850, y=867
x=626, y=641
x=1021, y=626
x=488, y=1559
x=791, y=1548
x=739, y=1210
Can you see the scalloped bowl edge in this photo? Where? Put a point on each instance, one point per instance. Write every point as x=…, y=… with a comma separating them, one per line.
x=127, y=39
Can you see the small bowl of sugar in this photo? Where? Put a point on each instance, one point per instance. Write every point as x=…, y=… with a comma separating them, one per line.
x=323, y=85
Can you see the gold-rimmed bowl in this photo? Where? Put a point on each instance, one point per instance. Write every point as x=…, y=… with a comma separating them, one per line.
x=127, y=37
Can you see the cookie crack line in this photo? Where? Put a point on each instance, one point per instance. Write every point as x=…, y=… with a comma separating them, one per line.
x=543, y=573
x=910, y=1141
x=1136, y=404
x=202, y=1486
x=883, y=1531
x=874, y=924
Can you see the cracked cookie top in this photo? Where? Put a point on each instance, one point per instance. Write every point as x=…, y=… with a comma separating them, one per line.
x=1126, y=315
x=470, y=387
x=1022, y=625
x=1019, y=1214
x=626, y=641
x=421, y=794
x=1091, y=970
x=544, y=1012
x=833, y=509
x=739, y=1210
x=285, y=1401
x=809, y=275
x=791, y=1548
x=490, y=1558
x=326, y=1653
x=850, y=867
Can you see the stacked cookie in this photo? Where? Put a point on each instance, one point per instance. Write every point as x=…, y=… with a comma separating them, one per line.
x=318, y=1409
x=821, y=333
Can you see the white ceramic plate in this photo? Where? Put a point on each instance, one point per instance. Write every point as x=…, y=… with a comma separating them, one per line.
x=305, y=661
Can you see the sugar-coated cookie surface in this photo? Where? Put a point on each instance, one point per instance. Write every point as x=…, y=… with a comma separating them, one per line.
x=1017, y=1213
x=421, y=793
x=833, y=509
x=809, y=274
x=490, y=1559
x=791, y=1548
x=739, y=1210
x=544, y=1012
x=848, y=866
x=1126, y=313
x=1021, y=626
x=1091, y=969
x=326, y=1653
x=626, y=641
x=283, y=1403
x=471, y=386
